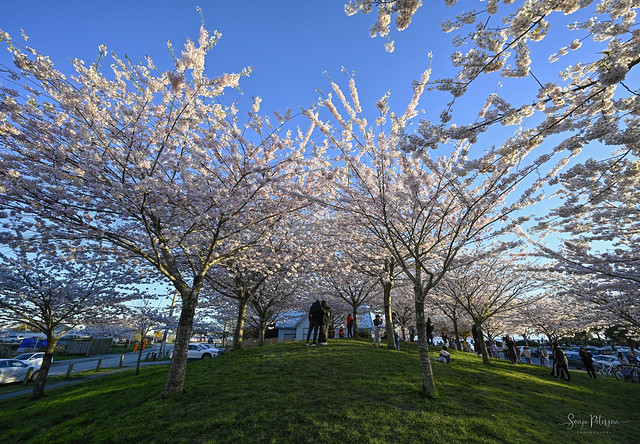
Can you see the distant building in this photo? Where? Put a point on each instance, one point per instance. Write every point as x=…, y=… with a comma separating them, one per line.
x=294, y=325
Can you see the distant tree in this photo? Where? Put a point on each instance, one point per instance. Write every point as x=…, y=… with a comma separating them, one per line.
x=486, y=287
x=52, y=288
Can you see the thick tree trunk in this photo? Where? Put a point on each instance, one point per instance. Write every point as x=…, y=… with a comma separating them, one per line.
x=263, y=329
x=41, y=378
x=239, y=332
x=428, y=383
x=386, y=287
x=178, y=367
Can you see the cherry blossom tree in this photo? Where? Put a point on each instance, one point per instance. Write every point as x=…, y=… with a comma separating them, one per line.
x=555, y=315
x=150, y=161
x=270, y=301
x=598, y=228
x=453, y=311
x=424, y=210
x=486, y=287
x=52, y=288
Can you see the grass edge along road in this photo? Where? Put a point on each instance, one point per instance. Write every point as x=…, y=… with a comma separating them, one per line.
x=347, y=391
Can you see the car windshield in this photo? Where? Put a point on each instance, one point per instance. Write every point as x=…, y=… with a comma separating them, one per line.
x=24, y=356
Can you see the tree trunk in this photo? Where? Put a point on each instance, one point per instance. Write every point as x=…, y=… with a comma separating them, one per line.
x=178, y=367
x=386, y=291
x=262, y=330
x=456, y=332
x=428, y=383
x=354, y=323
x=143, y=335
x=239, y=332
x=483, y=345
x=41, y=379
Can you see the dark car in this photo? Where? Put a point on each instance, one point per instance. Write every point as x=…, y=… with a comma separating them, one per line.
x=574, y=359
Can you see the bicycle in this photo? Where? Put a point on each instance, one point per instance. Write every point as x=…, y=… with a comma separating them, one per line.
x=604, y=369
x=625, y=373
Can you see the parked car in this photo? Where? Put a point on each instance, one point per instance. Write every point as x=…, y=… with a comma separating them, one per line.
x=215, y=350
x=574, y=359
x=199, y=351
x=14, y=370
x=606, y=359
x=32, y=358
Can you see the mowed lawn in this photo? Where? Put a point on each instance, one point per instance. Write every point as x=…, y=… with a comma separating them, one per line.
x=346, y=392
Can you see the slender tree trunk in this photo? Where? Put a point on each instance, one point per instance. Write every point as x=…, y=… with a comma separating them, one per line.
x=139, y=356
x=455, y=331
x=41, y=379
x=354, y=324
x=483, y=345
x=428, y=383
x=239, y=332
x=178, y=367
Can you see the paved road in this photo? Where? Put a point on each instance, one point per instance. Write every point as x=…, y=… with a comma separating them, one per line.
x=109, y=360
x=90, y=363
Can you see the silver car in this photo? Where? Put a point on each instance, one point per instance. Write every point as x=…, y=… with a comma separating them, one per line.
x=14, y=370
x=32, y=358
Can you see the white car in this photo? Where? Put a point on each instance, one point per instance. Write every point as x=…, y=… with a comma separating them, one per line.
x=32, y=358
x=199, y=351
x=606, y=359
x=13, y=370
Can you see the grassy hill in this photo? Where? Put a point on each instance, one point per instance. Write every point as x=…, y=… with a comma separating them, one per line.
x=346, y=392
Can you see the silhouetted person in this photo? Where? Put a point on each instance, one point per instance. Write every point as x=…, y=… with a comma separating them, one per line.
x=315, y=320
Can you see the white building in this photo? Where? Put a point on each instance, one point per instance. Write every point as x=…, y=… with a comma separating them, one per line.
x=294, y=325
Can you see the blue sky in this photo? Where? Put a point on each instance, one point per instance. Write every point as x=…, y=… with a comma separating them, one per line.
x=289, y=43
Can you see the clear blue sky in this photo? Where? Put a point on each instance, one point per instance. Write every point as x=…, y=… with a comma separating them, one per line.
x=290, y=43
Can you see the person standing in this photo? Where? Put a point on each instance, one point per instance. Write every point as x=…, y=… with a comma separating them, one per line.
x=587, y=360
x=494, y=350
x=377, y=325
x=397, y=328
x=526, y=354
x=543, y=354
x=325, y=311
x=561, y=364
x=430, y=328
x=349, y=326
x=315, y=320
x=511, y=350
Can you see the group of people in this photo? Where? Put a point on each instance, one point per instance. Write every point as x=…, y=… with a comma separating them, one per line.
x=378, y=325
x=319, y=322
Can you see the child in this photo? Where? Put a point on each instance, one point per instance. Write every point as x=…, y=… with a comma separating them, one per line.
x=445, y=356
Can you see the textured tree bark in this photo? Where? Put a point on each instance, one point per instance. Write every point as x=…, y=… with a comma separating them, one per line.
x=428, y=383
x=239, y=332
x=483, y=346
x=178, y=367
x=41, y=378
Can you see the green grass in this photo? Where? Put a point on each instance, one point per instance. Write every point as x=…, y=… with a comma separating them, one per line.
x=345, y=392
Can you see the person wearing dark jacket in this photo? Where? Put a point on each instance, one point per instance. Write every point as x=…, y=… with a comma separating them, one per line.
x=430, y=328
x=588, y=362
x=512, y=354
x=561, y=363
x=325, y=322
x=315, y=320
